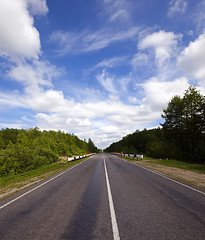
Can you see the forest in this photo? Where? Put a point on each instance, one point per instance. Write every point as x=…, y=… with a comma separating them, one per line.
x=25, y=150
x=180, y=137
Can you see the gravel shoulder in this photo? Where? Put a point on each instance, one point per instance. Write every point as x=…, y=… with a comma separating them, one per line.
x=191, y=177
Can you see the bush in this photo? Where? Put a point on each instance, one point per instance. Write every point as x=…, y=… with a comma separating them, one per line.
x=24, y=150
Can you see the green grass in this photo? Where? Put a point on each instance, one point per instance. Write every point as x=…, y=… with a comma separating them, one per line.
x=41, y=173
x=195, y=167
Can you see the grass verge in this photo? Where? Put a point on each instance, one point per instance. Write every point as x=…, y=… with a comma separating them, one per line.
x=14, y=183
x=191, y=173
x=199, y=168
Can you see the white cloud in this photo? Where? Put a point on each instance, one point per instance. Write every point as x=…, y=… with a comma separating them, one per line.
x=107, y=82
x=123, y=84
x=116, y=10
x=102, y=139
x=190, y=33
x=110, y=118
x=116, y=86
x=57, y=121
x=132, y=99
x=19, y=38
x=158, y=93
x=110, y=63
x=163, y=43
x=46, y=101
x=104, y=121
x=139, y=60
x=177, y=7
x=37, y=7
x=116, y=120
x=11, y=100
x=192, y=59
x=199, y=16
x=107, y=63
x=120, y=13
x=90, y=41
x=105, y=37
x=14, y=124
x=34, y=75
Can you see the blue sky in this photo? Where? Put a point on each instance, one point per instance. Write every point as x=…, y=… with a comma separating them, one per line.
x=100, y=69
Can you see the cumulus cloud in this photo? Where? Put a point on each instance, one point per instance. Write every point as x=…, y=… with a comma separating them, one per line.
x=192, y=59
x=37, y=7
x=56, y=121
x=177, y=7
x=163, y=43
x=108, y=120
x=46, y=101
x=133, y=99
x=34, y=75
x=103, y=139
x=19, y=38
x=82, y=118
x=158, y=93
x=105, y=119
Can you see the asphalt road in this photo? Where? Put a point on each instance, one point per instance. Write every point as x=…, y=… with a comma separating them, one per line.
x=105, y=198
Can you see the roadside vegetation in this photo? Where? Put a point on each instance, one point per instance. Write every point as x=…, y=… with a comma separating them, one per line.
x=191, y=173
x=26, y=150
x=45, y=170
x=195, y=167
x=180, y=137
x=152, y=162
x=13, y=183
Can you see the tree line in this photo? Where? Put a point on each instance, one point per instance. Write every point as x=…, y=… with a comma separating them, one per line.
x=181, y=136
x=24, y=150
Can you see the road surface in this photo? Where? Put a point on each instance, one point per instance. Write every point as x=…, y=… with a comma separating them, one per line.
x=105, y=198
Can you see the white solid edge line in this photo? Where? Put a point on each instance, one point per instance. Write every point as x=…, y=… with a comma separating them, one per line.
x=33, y=189
x=115, y=230
x=167, y=177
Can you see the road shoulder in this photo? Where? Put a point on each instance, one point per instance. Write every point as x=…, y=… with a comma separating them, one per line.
x=188, y=176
